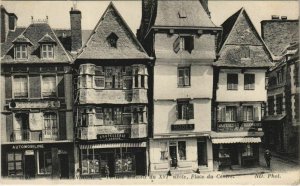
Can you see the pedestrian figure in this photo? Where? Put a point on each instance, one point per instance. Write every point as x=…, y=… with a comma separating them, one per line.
x=77, y=175
x=268, y=157
x=106, y=171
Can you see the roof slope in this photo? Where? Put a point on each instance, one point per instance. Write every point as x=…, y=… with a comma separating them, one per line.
x=97, y=46
x=34, y=32
x=195, y=16
x=241, y=44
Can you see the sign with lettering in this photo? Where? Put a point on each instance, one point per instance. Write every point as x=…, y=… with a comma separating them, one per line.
x=179, y=127
x=119, y=136
x=28, y=146
x=35, y=104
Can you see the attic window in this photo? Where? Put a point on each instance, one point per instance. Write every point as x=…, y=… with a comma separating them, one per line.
x=112, y=40
x=182, y=14
x=21, y=51
x=47, y=51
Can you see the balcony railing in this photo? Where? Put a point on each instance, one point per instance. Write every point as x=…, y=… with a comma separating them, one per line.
x=27, y=135
x=239, y=126
x=21, y=135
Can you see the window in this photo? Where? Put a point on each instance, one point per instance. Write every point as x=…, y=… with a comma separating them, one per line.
x=231, y=113
x=50, y=123
x=45, y=162
x=90, y=162
x=184, y=76
x=182, y=150
x=99, y=116
x=49, y=86
x=249, y=81
x=248, y=113
x=187, y=43
x=21, y=52
x=124, y=162
x=21, y=127
x=138, y=115
x=14, y=163
x=280, y=76
x=99, y=81
x=271, y=105
x=47, y=51
x=279, y=103
x=163, y=151
x=113, y=78
x=185, y=110
x=248, y=150
x=112, y=40
x=20, y=86
x=232, y=81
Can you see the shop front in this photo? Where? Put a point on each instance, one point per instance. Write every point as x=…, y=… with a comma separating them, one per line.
x=239, y=151
x=37, y=160
x=112, y=159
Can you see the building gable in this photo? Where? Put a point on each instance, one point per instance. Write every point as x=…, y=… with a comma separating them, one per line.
x=98, y=45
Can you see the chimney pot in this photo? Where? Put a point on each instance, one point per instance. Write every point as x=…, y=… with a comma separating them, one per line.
x=283, y=17
x=275, y=17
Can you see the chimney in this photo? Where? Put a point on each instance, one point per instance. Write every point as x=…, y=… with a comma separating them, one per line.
x=12, y=21
x=275, y=17
x=8, y=22
x=76, y=38
x=204, y=4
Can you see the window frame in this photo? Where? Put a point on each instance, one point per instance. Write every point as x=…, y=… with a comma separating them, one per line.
x=47, y=51
x=21, y=51
x=186, y=76
x=246, y=114
x=233, y=115
x=14, y=161
x=53, y=94
x=43, y=152
x=249, y=81
x=51, y=128
x=14, y=85
x=185, y=110
x=232, y=85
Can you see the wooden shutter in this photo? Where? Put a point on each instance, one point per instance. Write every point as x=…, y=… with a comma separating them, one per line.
x=9, y=126
x=191, y=111
x=190, y=43
x=35, y=86
x=176, y=44
x=221, y=114
x=177, y=111
x=62, y=125
x=223, y=111
x=240, y=113
x=60, y=86
x=8, y=87
x=256, y=114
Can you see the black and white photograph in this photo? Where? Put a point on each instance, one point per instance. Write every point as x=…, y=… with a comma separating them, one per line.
x=146, y=92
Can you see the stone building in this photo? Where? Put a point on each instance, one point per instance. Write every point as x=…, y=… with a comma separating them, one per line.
x=243, y=60
x=281, y=124
x=36, y=103
x=181, y=38
x=111, y=101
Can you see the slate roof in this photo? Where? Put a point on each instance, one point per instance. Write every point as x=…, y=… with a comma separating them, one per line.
x=168, y=14
x=240, y=34
x=97, y=46
x=34, y=32
x=21, y=39
x=47, y=39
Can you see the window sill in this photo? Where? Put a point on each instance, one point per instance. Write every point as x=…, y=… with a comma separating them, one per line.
x=184, y=86
x=250, y=89
x=232, y=89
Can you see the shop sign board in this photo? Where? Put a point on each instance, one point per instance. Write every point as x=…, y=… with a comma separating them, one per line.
x=179, y=127
x=117, y=136
x=28, y=146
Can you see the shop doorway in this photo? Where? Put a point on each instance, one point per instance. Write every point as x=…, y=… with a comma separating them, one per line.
x=202, y=153
x=234, y=155
x=107, y=159
x=140, y=159
x=29, y=168
x=173, y=155
x=64, y=166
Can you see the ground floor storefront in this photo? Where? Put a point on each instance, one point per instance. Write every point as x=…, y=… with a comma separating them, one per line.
x=180, y=155
x=112, y=159
x=53, y=160
x=241, y=152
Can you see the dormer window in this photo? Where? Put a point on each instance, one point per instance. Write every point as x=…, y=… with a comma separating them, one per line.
x=47, y=51
x=182, y=14
x=21, y=51
x=112, y=40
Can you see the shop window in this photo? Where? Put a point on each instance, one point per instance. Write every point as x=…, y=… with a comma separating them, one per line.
x=49, y=86
x=231, y=113
x=44, y=162
x=182, y=150
x=232, y=81
x=163, y=151
x=185, y=110
x=184, y=76
x=47, y=51
x=271, y=105
x=249, y=81
x=51, y=126
x=248, y=150
x=21, y=51
x=124, y=162
x=14, y=163
x=248, y=113
x=20, y=86
x=279, y=102
x=90, y=162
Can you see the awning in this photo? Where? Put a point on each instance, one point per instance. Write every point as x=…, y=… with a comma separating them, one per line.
x=236, y=140
x=112, y=145
x=274, y=118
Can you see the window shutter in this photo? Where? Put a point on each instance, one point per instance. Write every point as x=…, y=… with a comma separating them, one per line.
x=190, y=44
x=219, y=113
x=34, y=86
x=9, y=126
x=8, y=87
x=223, y=113
x=240, y=113
x=177, y=111
x=191, y=111
x=256, y=114
x=62, y=125
x=176, y=45
x=61, y=86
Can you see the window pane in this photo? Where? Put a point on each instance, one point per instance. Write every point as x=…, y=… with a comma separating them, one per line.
x=49, y=85
x=99, y=81
x=232, y=81
x=20, y=86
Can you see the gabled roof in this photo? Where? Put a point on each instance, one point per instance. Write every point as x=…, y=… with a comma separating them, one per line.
x=179, y=13
x=47, y=39
x=34, y=33
x=98, y=47
x=238, y=37
x=21, y=39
